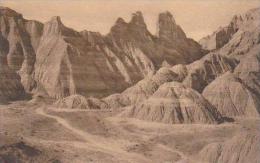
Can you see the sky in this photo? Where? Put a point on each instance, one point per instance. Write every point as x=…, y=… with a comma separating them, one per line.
x=198, y=18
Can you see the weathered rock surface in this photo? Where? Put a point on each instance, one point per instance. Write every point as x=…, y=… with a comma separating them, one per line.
x=238, y=37
x=11, y=87
x=172, y=38
x=18, y=34
x=196, y=75
x=248, y=70
x=175, y=103
x=220, y=37
x=146, y=87
x=81, y=63
x=231, y=97
x=80, y=102
x=90, y=64
x=207, y=69
x=62, y=61
x=238, y=94
x=244, y=147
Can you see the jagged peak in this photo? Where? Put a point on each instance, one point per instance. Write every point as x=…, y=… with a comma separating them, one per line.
x=120, y=21
x=34, y=22
x=90, y=32
x=9, y=12
x=55, y=26
x=56, y=19
x=166, y=16
x=137, y=18
x=168, y=29
x=86, y=33
x=138, y=14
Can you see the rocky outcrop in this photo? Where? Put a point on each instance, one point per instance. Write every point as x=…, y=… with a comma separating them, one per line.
x=248, y=70
x=11, y=87
x=79, y=63
x=17, y=34
x=238, y=94
x=209, y=42
x=61, y=61
x=80, y=102
x=174, y=103
x=196, y=75
x=244, y=147
x=231, y=97
x=238, y=37
x=145, y=88
x=207, y=69
x=90, y=64
x=220, y=37
x=173, y=38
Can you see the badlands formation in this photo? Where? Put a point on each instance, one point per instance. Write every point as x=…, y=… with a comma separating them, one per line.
x=129, y=96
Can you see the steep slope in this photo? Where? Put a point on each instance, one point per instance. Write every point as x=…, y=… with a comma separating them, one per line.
x=207, y=69
x=199, y=74
x=145, y=88
x=231, y=97
x=196, y=75
x=61, y=61
x=67, y=63
x=11, y=87
x=18, y=34
x=248, y=70
x=238, y=37
x=238, y=94
x=242, y=148
x=177, y=48
x=220, y=37
x=90, y=64
x=174, y=103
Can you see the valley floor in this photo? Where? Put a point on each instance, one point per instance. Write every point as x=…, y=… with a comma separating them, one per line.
x=37, y=133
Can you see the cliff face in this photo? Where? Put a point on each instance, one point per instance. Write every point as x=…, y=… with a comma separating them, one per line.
x=70, y=62
x=60, y=61
x=227, y=80
x=17, y=54
x=172, y=38
x=238, y=37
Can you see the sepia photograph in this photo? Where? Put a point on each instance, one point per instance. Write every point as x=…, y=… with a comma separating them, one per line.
x=129, y=81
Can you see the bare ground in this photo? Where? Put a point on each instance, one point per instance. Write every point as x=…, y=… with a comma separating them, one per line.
x=37, y=133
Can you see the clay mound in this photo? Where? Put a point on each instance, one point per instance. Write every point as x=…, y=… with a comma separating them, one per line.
x=175, y=103
x=146, y=87
x=196, y=75
x=244, y=147
x=80, y=102
x=231, y=97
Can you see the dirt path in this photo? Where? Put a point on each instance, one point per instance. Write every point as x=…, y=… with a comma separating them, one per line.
x=114, y=147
